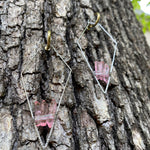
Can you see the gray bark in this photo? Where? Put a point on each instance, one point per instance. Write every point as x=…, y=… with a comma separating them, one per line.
x=88, y=119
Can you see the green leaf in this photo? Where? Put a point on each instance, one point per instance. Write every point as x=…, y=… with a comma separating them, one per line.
x=148, y=4
x=136, y=4
x=143, y=18
x=145, y=21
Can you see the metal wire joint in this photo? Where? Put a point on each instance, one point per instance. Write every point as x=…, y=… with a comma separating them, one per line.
x=96, y=22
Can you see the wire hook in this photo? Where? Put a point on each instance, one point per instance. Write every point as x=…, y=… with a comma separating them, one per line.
x=48, y=40
x=96, y=22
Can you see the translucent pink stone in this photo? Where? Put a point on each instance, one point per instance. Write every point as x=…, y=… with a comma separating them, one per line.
x=52, y=111
x=45, y=113
x=102, y=71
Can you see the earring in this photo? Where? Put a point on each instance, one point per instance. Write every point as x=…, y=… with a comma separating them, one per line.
x=46, y=114
x=102, y=71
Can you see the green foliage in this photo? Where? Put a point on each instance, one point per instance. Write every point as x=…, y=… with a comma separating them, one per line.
x=148, y=4
x=143, y=18
x=136, y=4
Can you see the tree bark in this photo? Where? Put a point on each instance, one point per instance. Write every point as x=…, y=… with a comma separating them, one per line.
x=87, y=119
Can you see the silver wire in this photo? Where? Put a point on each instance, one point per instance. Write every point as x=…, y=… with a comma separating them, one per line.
x=57, y=110
x=115, y=49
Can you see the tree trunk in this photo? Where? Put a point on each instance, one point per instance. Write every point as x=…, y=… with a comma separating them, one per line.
x=87, y=119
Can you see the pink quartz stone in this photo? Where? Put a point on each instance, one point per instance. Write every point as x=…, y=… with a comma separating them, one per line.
x=102, y=71
x=52, y=111
x=37, y=111
x=45, y=114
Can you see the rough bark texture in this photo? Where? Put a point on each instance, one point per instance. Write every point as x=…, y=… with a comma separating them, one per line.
x=88, y=119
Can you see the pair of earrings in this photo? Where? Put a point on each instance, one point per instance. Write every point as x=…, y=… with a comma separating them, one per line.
x=46, y=115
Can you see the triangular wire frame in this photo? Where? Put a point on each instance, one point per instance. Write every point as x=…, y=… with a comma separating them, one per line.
x=115, y=49
x=60, y=99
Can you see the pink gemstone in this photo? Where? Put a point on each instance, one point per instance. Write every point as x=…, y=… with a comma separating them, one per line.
x=37, y=111
x=52, y=111
x=44, y=113
x=101, y=71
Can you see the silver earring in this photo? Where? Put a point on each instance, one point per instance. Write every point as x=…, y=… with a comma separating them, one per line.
x=37, y=117
x=102, y=71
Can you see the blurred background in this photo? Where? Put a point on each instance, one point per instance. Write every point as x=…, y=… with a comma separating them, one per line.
x=142, y=11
